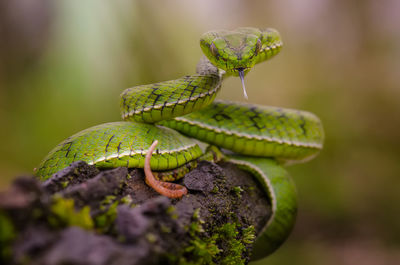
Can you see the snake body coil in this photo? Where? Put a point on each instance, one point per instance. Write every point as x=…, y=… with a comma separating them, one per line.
x=260, y=134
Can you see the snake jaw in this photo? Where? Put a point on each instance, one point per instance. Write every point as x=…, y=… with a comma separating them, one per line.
x=241, y=75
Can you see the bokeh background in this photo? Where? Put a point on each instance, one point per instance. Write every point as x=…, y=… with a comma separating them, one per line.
x=64, y=63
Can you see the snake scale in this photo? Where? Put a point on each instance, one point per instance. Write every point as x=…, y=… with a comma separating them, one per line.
x=261, y=137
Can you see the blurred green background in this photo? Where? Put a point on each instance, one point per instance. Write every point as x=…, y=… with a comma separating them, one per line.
x=63, y=65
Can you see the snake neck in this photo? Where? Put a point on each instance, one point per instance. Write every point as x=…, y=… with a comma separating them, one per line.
x=205, y=67
x=165, y=100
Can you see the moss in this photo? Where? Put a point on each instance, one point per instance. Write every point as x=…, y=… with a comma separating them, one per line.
x=127, y=200
x=64, y=184
x=105, y=220
x=151, y=238
x=215, y=190
x=201, y=251
x=196, y=227
x=63, y=213
x=171, y=211
x=249, y=235
x=196, y=216
x=229, y=233
x=226, y=244
x=165, y=229
x=108, y=206
x=201, y=248
x=107, y=201
x=7, y=234
x=237, y=191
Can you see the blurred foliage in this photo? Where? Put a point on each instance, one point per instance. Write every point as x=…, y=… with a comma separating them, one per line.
x=63, y=65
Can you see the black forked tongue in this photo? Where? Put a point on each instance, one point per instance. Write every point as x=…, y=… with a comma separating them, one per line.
x=241, y=75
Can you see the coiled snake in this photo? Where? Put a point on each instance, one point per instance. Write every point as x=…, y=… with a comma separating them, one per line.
x=259, y=135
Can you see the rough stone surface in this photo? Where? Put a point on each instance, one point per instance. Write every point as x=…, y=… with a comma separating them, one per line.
x=128, y=222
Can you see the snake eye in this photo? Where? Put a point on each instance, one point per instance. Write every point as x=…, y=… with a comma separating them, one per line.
x=213, y=49
x=258, y=46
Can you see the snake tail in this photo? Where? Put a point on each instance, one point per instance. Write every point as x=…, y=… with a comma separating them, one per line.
x=212, y=154
x=167, y=189
x=281, y=191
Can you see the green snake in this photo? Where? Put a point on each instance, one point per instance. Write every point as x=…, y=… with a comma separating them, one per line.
x=261, y=137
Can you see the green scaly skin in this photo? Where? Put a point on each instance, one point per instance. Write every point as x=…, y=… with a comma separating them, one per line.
x=254, y=130
x=186, y=105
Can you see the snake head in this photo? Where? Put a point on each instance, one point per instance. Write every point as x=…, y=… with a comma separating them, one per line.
x=239, y=50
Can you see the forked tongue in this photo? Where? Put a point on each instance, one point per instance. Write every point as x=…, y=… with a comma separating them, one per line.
x=241, y=75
